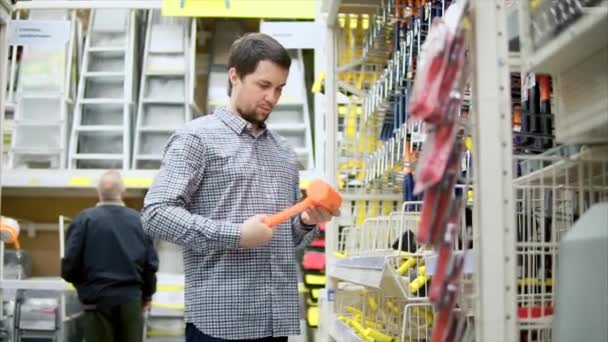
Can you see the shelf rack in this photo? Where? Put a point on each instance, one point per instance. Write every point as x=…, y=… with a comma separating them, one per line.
x=494, y=294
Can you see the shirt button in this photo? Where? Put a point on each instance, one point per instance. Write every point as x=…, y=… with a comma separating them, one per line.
x=268, y=196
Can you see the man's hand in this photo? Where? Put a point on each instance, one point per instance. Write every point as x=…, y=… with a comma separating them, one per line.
x=146, y=305
x=255, y=233
x=316, y=215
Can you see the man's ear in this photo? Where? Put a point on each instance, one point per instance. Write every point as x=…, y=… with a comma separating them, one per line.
x=233, y=76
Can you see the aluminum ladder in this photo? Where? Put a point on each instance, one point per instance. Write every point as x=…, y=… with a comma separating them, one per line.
x=166, y=88
x=291, y=116
x=44, y=99
x=101, y=133
x=224, y=33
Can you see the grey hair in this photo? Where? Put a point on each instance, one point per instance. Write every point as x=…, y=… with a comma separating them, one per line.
x=111, y=186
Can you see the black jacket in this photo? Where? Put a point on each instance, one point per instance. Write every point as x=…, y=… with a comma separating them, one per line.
x=108, y=257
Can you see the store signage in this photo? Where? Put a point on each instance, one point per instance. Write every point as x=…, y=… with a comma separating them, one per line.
x=294, y=34
x=39, y=33
x=275, y=9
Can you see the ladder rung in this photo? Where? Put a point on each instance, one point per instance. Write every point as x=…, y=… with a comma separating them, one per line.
x=164, y=101
x=101, y=128
x=33, y=123
x=301, y=151
x=283, y=127
x=158, y=129
x=107, y=74
x=165, y=73
x=165, y=53
x=107, y=49
x=102, y=101
x=30, y=150
x=148, y=157
x=97, y=156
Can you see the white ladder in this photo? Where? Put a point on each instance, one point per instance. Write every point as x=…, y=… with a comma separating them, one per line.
x=101, y=133
x=224, y=33
x=166, y=88
x=44, y=100
x=291, y=116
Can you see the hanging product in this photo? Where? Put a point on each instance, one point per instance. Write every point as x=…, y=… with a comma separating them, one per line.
x=437, y=99
x=441, y=59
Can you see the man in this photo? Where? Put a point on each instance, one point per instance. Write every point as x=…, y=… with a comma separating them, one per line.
x=112, y=264
x=220, y=174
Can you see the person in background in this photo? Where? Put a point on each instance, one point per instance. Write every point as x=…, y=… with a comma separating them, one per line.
x=112, y=264
x=220, y=174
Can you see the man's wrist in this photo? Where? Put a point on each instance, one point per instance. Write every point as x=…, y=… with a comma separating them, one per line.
x=306, y=225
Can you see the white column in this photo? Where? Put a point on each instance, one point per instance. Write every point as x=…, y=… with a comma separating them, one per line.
x=494, y=214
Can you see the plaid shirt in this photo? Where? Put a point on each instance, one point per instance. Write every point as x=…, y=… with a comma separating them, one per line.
x=215, y=174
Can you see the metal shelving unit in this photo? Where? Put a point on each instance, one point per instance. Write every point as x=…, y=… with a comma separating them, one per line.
x=576, y=58
x=494, y=253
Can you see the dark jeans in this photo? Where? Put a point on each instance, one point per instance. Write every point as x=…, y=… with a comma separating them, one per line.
x=116, y=323
x=195, y=335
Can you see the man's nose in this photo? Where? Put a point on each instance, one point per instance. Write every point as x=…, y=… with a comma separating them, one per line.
x=271, y=97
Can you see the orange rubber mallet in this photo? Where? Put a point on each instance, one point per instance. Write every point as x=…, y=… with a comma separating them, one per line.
x=318, y=194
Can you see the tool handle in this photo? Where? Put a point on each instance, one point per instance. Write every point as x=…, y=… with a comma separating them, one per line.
x=276, y=219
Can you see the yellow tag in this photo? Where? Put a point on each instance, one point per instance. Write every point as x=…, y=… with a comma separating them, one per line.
x=301, y=9
x=170, y=288
x=468, y=143
x=313, y=316
x=33, y=181
x=138, y=182
x=317, y=86
x=79, y=181
x=339, y=255
x=365, y=21
x=314, y=279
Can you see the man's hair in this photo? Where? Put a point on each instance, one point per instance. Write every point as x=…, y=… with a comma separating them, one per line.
x=110, y=186
x=247, y=51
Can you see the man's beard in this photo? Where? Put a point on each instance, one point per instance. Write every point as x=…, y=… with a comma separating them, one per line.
x=252, y=117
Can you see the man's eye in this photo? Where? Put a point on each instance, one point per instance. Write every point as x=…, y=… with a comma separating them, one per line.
x=264, y=85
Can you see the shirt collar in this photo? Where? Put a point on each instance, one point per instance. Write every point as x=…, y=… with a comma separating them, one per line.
x=237, y=123
x=119, y=203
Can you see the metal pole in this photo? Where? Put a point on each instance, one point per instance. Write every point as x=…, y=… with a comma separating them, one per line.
x=3, y=60
x=494, y=214
x=330, y=164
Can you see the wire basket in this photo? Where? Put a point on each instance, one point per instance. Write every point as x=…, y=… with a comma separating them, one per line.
x=551, y=194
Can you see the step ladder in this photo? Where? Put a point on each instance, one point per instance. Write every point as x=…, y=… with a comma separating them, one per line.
x=166, y=87
x=44, y=100
x=225, y=32
x=101, y=133
x=291, y=116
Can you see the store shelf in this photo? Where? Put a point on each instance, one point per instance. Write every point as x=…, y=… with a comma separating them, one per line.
x=367, y=271
x=574, y=44
x=333, y=7
x=569, y=171
x=342, y=332
x=84, y=4
x=42, y=283
x=38, y=182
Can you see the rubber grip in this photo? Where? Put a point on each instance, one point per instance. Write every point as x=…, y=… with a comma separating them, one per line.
x=278, y=218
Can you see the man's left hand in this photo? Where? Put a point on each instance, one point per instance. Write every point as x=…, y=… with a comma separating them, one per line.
x=316, y=215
